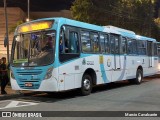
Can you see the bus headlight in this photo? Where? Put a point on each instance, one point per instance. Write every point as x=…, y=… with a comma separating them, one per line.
x=49, y=73
x=12, y=75
x=159, y=67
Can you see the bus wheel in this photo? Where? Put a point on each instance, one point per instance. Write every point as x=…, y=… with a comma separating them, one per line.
x=86, y=86
x=139, y=76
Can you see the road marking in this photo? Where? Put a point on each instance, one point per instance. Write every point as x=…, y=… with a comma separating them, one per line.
x=15, y=103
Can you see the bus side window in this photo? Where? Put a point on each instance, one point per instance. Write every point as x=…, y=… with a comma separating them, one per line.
x=158, y=50
x=102, y=43
x=86, y=42
x=68, y=44
x=116, y=44
x=124, y=45
x=112, y=40
x=130, y=46
x=134, y=46
x=155, y=49
x=142, y=46
x=73, y=42
x=107, y=44
x=95, y=42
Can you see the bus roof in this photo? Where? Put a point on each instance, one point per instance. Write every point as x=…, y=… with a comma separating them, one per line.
x=130, y=34
x=76, y=24
x=145, y=38
x=108, y=29
x=120, y=29
x=89, y=26
x=123, y=32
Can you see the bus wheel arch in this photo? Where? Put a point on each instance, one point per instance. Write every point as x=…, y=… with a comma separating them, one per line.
x=140, y=68
x=93, y=75
x=88, y=80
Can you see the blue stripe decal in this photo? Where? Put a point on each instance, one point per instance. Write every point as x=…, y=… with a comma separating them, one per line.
x=102, y=69
x=124, y=68
x=104, y=76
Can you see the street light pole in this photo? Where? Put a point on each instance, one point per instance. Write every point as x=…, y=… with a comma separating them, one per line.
x=28, y=10
x=6, y=35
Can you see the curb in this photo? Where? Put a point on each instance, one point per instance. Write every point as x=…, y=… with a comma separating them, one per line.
x=10, y=96
x=18, y=94
x=156, y=75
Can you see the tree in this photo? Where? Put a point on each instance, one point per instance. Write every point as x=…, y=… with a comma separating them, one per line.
x=135, y=15
x=92, y=11
x=81, y=10
x=156, y=30
x=157, y=22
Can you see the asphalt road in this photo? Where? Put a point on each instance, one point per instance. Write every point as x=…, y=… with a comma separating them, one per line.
x=121, y=96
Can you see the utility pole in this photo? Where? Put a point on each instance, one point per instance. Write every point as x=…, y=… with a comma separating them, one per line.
x=6, y=41
x=150, y=17
x=28, y=19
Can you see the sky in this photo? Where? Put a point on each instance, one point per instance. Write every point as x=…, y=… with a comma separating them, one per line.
x=50, y=5
x=40, y=5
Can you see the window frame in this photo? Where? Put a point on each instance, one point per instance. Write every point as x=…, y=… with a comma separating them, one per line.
x=142, y=48
x=119, y=43
x=155, y=49
x=126, y=46
x=82, y=50
x=92, y=46
x=64, y=57
x=106, y=37
x=132, y=52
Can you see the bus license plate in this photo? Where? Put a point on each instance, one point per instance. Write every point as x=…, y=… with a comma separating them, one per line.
x=28, y=84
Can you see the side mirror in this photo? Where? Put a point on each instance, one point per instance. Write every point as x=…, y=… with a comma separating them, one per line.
x=63, y=28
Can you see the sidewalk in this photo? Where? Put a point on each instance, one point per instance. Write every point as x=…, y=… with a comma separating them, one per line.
x=13, y=93
x=10, y=93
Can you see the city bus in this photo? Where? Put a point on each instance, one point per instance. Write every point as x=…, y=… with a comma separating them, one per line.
x=59, y=54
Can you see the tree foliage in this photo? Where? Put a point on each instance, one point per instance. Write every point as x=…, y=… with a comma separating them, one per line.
x=136, y=15
x=157, y=21
x=82, y=7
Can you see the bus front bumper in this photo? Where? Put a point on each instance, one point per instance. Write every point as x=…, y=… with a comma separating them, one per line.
x=48, y=85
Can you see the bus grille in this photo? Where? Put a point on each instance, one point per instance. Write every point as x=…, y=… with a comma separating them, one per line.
x=32, y=76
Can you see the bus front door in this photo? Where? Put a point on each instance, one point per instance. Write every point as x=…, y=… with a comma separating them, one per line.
x=150, y=53
x=69, y=71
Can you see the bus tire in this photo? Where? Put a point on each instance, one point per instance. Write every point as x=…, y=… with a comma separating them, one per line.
x=86, y=85
x=139, y=76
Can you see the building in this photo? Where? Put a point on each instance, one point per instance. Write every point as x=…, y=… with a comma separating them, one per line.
x=15, y=14
x=61, y=13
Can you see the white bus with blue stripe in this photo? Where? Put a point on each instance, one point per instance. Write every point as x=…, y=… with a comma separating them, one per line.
x=58, y=54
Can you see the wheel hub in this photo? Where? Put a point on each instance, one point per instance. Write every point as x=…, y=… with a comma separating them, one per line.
x=139, y=77
x=86, y=84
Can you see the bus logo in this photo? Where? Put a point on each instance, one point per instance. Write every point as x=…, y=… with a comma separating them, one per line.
x=84, y=62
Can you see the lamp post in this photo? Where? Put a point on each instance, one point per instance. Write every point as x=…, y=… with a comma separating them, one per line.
x=28, y=19
x=6, y=40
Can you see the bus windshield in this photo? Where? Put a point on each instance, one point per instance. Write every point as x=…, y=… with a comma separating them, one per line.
x=33, y=49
